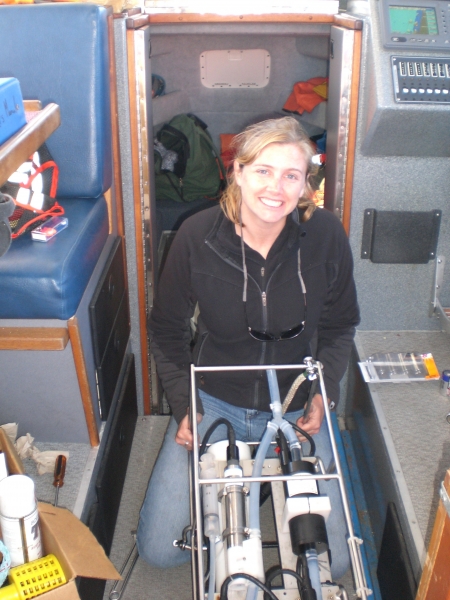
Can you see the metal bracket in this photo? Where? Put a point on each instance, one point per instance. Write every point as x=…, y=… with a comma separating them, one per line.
x=445, y=498
x=436, y=308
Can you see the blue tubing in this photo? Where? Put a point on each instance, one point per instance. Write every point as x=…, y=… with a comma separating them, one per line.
x=313, y=570
x=275, y=400
x=256, y=472
x=212, y=568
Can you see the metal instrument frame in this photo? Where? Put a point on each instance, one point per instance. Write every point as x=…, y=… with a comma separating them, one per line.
x=195, y=482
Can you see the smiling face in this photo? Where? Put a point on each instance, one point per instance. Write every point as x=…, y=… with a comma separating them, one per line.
x=271, y=185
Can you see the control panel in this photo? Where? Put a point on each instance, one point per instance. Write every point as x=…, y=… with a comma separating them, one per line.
x=419, y=24
x=421, y=79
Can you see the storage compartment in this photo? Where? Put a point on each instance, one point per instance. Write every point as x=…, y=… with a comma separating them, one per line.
x=184, y=53
x=108, y=372
x=106, y=300
x=110, y=325
x=111, y=476
x=206, y=71
x=113, y=469
x=297, y=53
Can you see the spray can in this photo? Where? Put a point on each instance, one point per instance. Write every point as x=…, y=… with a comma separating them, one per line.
x=19, y=519
x=3, y=466
x=445, y=383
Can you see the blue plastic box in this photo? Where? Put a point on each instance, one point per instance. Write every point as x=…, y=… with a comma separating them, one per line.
x=12, y=114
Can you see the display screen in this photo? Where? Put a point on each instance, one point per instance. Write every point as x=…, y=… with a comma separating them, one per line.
x=412, y=19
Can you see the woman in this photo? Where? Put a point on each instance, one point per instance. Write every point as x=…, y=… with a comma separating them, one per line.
x=272, y=279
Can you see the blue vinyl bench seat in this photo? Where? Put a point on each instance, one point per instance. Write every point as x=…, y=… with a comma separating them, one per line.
x=61, y=53
x=62, y=58
x=52, y=276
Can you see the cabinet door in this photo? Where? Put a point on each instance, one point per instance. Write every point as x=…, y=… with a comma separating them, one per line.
x=106, y=300
x=113, y=468
x=109, y=370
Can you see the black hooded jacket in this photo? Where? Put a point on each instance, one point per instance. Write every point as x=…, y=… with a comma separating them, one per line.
x=204, y=266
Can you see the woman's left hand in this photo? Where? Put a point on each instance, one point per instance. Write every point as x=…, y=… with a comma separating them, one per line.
x=313, y=419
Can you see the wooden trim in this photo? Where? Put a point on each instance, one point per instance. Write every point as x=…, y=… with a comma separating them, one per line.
x=347, y=21
x=83, y=382
x=21, y=146
x=211, y=18
x=108, y=200
x=117, y=173
x=137, y=20
x=33, y=338
x=32, y=105
x=435, y=581
x=139, y=226
x=353, y=120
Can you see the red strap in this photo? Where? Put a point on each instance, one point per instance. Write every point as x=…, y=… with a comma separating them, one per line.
x=55, y=210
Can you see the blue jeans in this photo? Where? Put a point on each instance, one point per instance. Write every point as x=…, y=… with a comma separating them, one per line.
x=165, y=511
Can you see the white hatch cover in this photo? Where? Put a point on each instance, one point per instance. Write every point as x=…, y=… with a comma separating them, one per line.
x=235, y=68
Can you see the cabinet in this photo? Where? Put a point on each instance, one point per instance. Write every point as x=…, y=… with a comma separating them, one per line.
x=110, y=324
x=111, y=475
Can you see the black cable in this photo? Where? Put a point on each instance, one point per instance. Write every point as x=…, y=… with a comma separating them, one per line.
x=271, y=574
x=302, y=432
x=210, y=431
x=308, y=592
x=260, y=584
x=265, y=492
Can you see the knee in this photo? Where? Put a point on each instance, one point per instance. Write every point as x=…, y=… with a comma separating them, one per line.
x=161, y=558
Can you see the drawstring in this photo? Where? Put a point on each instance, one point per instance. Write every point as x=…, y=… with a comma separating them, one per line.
x=244, y=264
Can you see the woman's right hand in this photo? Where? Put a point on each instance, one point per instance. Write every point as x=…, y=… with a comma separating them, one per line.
x=184, y=433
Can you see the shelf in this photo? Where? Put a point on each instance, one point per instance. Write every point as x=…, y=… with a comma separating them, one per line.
x=21, y=145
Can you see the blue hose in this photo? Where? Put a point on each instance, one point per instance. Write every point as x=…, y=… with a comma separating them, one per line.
x=313, y=569
x=212, y=568
x=272, y=427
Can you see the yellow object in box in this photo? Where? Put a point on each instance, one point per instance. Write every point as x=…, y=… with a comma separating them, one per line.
x=33, y=579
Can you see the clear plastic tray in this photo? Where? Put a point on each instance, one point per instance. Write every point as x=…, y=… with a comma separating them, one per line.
x=399, y=367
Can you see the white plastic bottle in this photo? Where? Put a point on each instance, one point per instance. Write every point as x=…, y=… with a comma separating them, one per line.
x=3, y=466
x=19, y=519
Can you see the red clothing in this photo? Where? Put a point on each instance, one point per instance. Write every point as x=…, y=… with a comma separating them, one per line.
x=304, y=97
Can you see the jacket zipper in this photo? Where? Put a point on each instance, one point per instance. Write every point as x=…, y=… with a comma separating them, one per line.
x=264, y=312
x=263, y=344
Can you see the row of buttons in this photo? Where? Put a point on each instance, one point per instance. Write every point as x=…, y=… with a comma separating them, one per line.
x=422, y=91
x=425, y=40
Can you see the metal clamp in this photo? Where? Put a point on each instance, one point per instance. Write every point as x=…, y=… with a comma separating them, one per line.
x=311, y=368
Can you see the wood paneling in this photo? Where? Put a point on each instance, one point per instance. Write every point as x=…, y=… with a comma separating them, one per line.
x=353, y=117
x=85, y=391
x=33, y=338
x=435, y=581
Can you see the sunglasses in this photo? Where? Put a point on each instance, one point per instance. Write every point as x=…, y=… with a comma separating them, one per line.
x=265, y=336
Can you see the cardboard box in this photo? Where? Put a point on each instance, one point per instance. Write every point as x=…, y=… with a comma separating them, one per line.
x=67, y=538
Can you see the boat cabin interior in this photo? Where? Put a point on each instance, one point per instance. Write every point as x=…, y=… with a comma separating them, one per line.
x=369, y=81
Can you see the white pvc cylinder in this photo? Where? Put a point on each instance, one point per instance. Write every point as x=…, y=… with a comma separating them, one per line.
x=219, y=450
x=19, y=519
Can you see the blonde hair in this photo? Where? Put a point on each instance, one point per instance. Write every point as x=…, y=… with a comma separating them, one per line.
x=248, y=145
